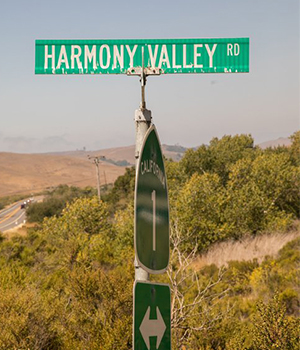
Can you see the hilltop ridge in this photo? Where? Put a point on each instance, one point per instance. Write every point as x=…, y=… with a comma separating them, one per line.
x=30, y=173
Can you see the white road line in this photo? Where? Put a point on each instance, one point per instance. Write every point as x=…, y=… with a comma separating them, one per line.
x=7, y=210
x=1, y=228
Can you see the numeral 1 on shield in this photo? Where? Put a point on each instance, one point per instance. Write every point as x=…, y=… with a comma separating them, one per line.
x=153, y=197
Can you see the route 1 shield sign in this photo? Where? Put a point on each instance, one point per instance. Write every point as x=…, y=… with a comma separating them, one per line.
x=151, y=207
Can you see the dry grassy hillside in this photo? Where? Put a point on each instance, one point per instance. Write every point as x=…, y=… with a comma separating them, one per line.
x=23, y=173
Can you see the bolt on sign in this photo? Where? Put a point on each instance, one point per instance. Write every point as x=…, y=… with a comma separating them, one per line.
x=152, y=316
x=119, y=56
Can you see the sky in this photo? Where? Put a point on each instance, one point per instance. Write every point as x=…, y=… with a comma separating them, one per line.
x=45, y=113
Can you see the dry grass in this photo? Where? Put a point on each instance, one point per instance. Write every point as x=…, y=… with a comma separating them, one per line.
x=21, y=230
x=248, y=249
x=32, y=173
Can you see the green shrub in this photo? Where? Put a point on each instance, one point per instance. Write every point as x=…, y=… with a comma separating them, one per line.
x=273, y=329
x=55, y=202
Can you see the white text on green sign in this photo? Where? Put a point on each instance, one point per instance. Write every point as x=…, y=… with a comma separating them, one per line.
x=118, y=56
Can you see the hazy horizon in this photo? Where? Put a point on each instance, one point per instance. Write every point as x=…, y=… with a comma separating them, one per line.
x=84, y=149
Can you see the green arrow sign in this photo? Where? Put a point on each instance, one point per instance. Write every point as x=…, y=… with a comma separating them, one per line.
x=151, y=207
x=118, y=56
x=151, y=316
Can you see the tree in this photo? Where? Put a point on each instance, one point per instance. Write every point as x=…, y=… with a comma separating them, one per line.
x=279, y=180
x=228, y=150
x=199, y=208
x=262, y=194
x=295, y=148
x=197, y=161
x=123, y=225
x=219, y=156
x=122, y=191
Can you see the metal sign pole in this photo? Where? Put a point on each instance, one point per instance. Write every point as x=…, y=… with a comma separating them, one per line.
x=142, y=124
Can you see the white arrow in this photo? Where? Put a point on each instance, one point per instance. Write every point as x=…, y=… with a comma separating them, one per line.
x=150, y=328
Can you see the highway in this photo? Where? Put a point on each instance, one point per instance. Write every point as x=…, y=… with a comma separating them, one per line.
x=12, y=216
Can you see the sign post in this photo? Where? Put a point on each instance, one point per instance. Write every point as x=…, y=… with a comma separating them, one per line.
x=142, y=123
x=152, y=315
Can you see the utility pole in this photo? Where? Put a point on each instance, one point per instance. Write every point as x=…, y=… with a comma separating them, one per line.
x=96, y=161
x=105, y=179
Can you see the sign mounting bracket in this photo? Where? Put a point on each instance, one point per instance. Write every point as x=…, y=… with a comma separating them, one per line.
x=143, y=72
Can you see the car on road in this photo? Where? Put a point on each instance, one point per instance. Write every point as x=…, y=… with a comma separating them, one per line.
x=24, y=205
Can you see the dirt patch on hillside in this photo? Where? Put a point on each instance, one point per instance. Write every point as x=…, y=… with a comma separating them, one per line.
x=248, y=249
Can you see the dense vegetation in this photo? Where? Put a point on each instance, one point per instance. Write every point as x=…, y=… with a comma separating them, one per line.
x=55, y=201
x=68, y=283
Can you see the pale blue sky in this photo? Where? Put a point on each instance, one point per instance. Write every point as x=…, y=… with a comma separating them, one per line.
x=52, y=113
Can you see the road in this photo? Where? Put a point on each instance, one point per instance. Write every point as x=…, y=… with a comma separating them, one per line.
x=12, y=216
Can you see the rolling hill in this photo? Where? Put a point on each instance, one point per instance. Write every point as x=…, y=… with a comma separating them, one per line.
x=31, y=173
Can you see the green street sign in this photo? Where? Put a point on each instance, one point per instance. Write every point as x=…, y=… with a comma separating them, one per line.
x=151, y=316
x=151, y=238
x=230, y=55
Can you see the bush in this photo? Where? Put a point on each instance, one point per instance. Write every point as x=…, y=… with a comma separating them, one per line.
x=273, y=329
x=55, y=202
